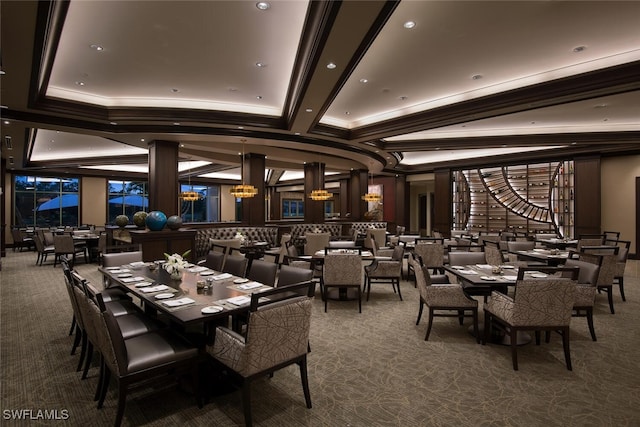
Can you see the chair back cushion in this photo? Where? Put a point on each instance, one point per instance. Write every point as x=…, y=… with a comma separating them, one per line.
x=543, y=302
x=466, y=258
x=342, y=269
x=316, y=242
x=236, y=265
x=263, y=272
x=432, y=254
x=291, y=275
x=588, y=271
x=214, y=260
x=121, y=258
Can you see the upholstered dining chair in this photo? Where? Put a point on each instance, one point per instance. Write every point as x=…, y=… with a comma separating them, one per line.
x=236, y=265
x=519, y=245
x=492, y=253
x=316, y=242
x=585, y=291
x=214, y=260
x=432, y=254
x=289, y=275
x=379, y=235
x=385, y=271
x=157, y=355
x=606, y=256
x=263, y=272
x=443, y=300
x=63, y=244
x=42, y=249
x=342, y=270
x=621, y=264
x=277, y=336
x=538, y=304
x=117, y=259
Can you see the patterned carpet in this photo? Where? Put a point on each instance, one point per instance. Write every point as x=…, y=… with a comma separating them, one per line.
x=369, y=369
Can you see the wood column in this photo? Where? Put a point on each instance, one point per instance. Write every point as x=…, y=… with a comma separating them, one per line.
x=443, y=210
x=358, y=186
x=401, y=200
x=313, y=180
x=587, y=196
x=253, y=210
x=345, y=198
x=163, y=177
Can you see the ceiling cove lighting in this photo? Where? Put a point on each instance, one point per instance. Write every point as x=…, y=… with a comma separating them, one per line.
x=243, y=191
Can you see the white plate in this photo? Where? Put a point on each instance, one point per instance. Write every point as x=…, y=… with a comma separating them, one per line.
x=207, y=273
x=212, y=309
x=488, y=278
x=122, y=276
x=143, y=284
x=241, y=280
x=539, y=275
x=457, y=267
x=164, y=296
x=507, y=267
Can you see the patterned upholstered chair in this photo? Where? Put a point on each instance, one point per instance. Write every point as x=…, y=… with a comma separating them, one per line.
x=316, y=242
x=277, y=336
x=379, y=235
x=342, y=270
x=443, y=300
x=519, y=245
x=432, y=254
x=385, y=271
x=585, y=291
x=621, y=264
x=492, y=253
x=606, y=256
x=537, y=305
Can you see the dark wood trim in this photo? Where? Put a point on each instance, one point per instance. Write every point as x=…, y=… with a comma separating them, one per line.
x=163, y=177
x=253, y=209
x=443, y=208
x=587, y=202
x=637, y=242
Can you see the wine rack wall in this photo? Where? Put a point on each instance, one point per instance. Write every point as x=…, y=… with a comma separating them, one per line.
x=535, y=198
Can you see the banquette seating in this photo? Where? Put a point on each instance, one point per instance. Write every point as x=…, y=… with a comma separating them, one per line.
x=258, y=234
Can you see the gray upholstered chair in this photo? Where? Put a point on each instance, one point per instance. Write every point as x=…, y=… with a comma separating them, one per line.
x=492, y=253
x=277, y=335
x=380, y=236
x=537, y=305
x=342, y=270
x=63, y=244
x=585, y=291
x=263, y=272
x=385, y=271
x=519, y=245
x=214, y=260
x=236, y=265
x=42, y=249
x=432, y=254
x=621, y=264
x=316, y=242
x=443, y=300
x=289, y=275
x=606, y=256
x=117, y=259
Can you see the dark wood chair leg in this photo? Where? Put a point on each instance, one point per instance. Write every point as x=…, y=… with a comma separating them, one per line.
x=305, y=381
x=420, y=311
x=84, y=343
x=565, y=345
x=487, y=328
x=122, y=401
x=359, y=300
x=474, y=312
x=246, y=402
x=609, y=292
x=73, y=325
x=88, y=360
x=426, y=337
x=621, y=285
x=105, y=386
x=399, y=293
x=513, y=334
x=592, y=330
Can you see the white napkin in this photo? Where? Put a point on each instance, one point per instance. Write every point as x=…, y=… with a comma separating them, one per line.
x=510, y=277
x=120, y=270
x=239, y=300
x=222, y=276
x=155, y=289
x=467, y=272
x=484, y=266
x=132, y=279
x=197, y=269
x=250, y=285
x=178, y=302
x=137, y=264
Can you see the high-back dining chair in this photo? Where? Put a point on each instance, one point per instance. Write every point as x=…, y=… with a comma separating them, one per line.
x=606, y=256
x=316, y=242
x=277, y=336
x=385, y=271
x=263, y=272
x=289, y=275
x=342, y=270
x=236, y=265
x=585, y=291
x=538, y=304
x=63, y=244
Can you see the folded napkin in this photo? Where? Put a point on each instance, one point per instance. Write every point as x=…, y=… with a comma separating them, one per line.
x=222, y=276
x=510, y=277
x=239, y=300
x=250, y=285
x=467, y=272
x=484, y=266
x=137, y=264
x=119, y=270
x=178, y=302
x=157, y=288
x=132, y=279
x=197, y=269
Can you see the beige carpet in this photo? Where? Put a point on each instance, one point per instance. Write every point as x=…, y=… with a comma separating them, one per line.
x=369, y=369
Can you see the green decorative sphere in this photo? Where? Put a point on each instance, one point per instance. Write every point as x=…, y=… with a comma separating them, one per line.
x=139, y=219
x=122, y=221
x=174, y=222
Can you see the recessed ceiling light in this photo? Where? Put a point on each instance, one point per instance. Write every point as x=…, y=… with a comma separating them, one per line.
x=403, y=98
x=181, y=145
x=605, y=120
x=263, y=5
x=174, y=90
x=476, y=76
x=141, y=139
x=113, y=123
x=309, y=110
x=2, y=73
x=579, y=48
x=259, y=97
x=297, y=133
x=240, y=127
x=6, y=122
x=176, y=123
x=409, y=25
x=233, y=89
x=331, y=65
x=80, y=83
x=260, y=64
x=97, y=47
x=533, y=123
x=437, y=148
x=363, y=80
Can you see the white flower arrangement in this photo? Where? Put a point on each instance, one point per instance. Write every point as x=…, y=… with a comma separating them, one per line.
x=240, y=237
x=175, y=263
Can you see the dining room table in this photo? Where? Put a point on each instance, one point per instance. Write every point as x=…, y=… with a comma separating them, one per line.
x=557, y=243
x=200, y=296
x=549, y=257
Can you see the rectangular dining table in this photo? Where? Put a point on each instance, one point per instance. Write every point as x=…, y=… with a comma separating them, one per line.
x=186, y=303
x=478, y=279
x=550, y=257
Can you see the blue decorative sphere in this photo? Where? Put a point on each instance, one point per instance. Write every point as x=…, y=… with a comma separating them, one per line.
x=174, y=222
x=156, y=220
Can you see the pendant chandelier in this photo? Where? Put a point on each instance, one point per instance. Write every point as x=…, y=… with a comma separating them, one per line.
x=189, y=196
x=372, y=197
x=320, y=194
x=243, y=190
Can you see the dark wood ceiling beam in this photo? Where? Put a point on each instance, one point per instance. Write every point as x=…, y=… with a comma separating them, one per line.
x=610, y=81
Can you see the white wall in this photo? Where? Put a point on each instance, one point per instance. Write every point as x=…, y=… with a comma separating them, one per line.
x=93, y=209
x=618, y=209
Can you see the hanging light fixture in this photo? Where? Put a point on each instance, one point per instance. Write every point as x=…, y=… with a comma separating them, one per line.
x=243, y=191
x=372, y=197
x=320, y=194
x=190, y=195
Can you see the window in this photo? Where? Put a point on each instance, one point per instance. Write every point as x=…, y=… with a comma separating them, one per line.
x=46, y=202
x=205, y=209
x=126, y=198
x=292, y=208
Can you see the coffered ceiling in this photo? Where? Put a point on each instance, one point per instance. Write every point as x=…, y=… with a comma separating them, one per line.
x=394, y=87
